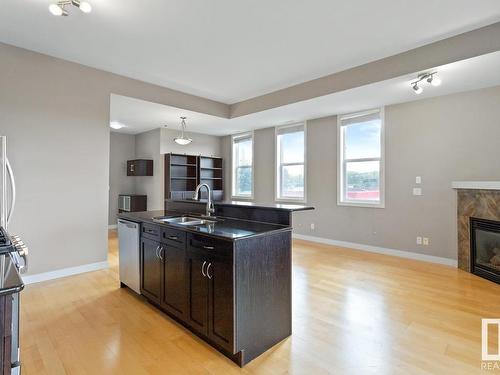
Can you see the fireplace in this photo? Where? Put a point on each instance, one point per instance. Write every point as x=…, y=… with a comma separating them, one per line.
x=485, y=248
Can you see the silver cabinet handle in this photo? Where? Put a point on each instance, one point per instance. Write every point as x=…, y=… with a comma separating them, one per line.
x=202, y=269
x=161, y=252
x=209, y=247
x=175, y=238
x=208, y=275
x=157, y=251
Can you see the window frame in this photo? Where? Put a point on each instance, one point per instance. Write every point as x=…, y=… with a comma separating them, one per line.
x=234, y=137
x=342, y=162
x=278, y=165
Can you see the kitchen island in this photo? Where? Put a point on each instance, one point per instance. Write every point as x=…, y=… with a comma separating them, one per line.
x=227, y=279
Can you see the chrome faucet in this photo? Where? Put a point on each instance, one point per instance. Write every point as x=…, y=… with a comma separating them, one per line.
x=210, y=205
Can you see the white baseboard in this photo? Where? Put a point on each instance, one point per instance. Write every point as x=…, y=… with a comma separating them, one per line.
x=379, y=250
x=39, y=277
x=113, y=226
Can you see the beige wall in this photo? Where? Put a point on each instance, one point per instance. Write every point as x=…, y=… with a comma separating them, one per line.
x=121, y=149
x=455, y=137
x=56, y=117
x=147, y=146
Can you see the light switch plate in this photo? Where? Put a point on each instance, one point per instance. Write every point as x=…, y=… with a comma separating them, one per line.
x=425, y=241
x=419, y=240
x=418, y=180
x=417, y=191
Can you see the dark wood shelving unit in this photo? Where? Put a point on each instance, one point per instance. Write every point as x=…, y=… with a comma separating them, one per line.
x=210, y=172
x=184, y=172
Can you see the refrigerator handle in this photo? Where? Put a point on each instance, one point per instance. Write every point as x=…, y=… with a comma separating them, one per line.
x=13, y=188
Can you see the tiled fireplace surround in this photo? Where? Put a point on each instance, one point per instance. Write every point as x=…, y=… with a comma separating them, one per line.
x=478, y=203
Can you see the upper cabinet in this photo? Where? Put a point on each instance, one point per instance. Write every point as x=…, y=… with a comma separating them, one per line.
x=184, y=172
x=140, y=167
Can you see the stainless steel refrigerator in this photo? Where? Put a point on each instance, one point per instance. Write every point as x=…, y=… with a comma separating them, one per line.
x=7, y=186
x=13, y=260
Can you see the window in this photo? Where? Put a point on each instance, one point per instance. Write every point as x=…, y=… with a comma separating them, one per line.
x=290, y=163
x=242, y=165
x=361, y=159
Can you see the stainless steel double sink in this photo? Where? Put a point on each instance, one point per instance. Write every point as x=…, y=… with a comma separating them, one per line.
x=184, y=220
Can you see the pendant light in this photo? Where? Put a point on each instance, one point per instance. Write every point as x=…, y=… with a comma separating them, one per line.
x=183, y=139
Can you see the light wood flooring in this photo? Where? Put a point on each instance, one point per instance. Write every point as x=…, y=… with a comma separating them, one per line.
x=353, y=313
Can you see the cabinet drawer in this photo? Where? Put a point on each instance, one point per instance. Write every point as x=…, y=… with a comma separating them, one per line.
x=212, y=245
x=151, y=231
x=173, y=237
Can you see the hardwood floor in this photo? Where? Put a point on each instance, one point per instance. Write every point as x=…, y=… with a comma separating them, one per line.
x=354, y=313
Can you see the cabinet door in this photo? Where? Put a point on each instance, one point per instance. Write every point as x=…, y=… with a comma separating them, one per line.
x=197, y=315
x=151, y=267
x=221, y=301
x=174, y=279
x=131, y=168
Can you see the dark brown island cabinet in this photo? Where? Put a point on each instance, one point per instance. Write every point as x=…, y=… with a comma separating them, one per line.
x=230, y=283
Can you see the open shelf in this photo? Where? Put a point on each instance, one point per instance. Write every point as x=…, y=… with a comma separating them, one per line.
x=184, y=172
x=183, y=165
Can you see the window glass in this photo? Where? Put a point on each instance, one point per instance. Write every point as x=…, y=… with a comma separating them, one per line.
x=242, y=165
x=360, y=159
x=290, y=162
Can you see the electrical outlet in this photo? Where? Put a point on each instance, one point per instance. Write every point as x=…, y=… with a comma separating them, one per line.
x=313, y=226
x=425, y=241
x=419, y=240
x=417, y=191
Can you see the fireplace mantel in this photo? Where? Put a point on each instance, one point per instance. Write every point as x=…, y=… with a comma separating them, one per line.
x=480, y=200
x=476, y=185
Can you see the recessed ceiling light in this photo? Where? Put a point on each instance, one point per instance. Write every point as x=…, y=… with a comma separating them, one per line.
x=116, y=125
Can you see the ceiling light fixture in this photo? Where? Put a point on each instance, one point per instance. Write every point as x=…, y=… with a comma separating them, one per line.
x=116, y=125
x=183, y=139
x=59, y=8
x=431, y=78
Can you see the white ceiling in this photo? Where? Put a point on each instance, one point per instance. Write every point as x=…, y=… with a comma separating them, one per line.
x=475, y=73
x=231, y=50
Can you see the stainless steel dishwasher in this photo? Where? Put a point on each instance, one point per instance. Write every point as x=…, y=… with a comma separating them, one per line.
x=128, y=240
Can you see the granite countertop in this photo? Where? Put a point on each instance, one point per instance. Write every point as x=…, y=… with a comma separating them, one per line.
x=225, y=228
x=291, y=207
x=10, y=280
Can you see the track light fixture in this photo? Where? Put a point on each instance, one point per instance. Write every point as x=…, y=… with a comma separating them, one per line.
x=59, y=8
x=431, y=78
